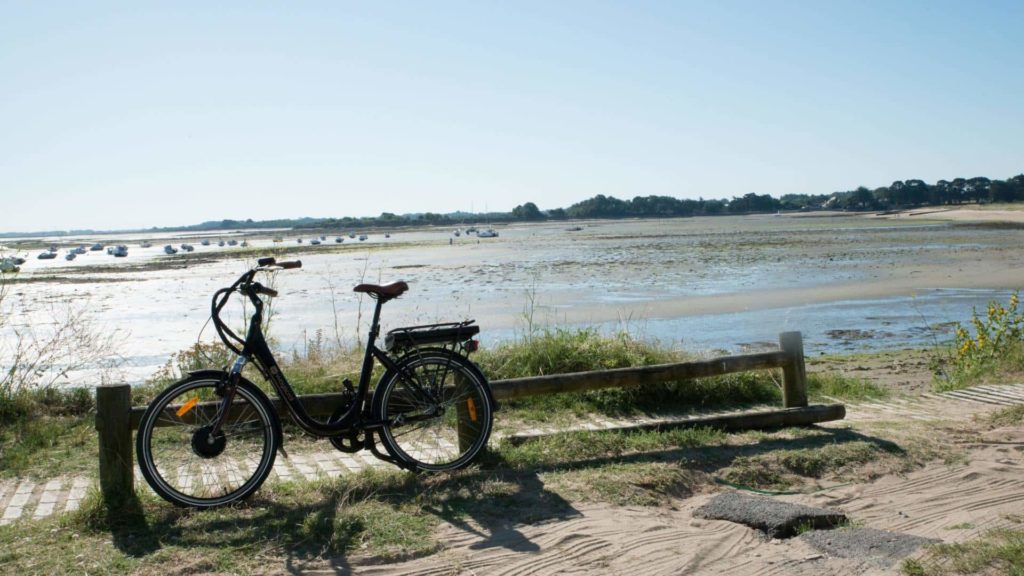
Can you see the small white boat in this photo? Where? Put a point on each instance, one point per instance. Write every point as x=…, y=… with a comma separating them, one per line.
x=387, y=235
x=232, y=242
x=70, y=256
x=363, y=237
x=96, y=247
x=10, y=265
x=80, y=250
x=187, y=247
x=145, y=244
x=351, y=234
x=47, y=255
x=299, y=241
x=170, y=249
x=339, y=240
x=488, y=233
x=314, y=242
x=322, y=238
x=205, y=241
x=220, y=243
x=457, y=233
x=120, y=251
x=244, y=244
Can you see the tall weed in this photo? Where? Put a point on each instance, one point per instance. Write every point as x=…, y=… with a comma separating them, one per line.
x=992, y=350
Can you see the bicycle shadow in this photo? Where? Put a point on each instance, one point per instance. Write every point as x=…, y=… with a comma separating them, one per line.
x=303, y=532
x=483, y=508
x=493, y=518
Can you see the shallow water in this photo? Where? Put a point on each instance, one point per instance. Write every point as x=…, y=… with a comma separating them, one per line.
x=634, y=275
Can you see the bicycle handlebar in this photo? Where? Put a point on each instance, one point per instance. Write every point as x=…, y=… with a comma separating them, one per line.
x=246, y=286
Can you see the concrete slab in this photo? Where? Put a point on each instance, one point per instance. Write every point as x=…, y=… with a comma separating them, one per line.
x=775, y=518
x=882, y=547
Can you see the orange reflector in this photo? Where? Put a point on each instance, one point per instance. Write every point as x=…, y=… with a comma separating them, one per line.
x=187, y=406
x=472, y=409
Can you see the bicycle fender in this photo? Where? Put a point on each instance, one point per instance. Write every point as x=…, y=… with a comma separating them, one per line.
x=221, y=375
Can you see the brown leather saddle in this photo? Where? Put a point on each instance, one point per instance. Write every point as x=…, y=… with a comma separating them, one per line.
x=385, y=292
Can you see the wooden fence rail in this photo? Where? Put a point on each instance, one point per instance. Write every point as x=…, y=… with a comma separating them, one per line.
x=115, y=418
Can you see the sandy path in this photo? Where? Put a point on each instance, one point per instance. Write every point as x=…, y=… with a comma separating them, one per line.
x=949, y=502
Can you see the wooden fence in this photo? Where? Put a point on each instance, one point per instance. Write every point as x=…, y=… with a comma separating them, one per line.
x=116, y=418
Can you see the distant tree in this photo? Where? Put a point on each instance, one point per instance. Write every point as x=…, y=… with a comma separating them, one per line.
x=860, y=199
x=557, y=214
x=599, y=206
x=752, y=202
x=977, y=188
x=528, y=211
x=999, y=191
x=940, y=193
x=712, y=207
x=915, y=192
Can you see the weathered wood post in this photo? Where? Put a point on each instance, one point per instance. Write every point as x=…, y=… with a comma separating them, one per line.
x=794, y=373
x=113, y=422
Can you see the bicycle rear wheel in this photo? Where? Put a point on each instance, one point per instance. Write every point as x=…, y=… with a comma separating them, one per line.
x=437, y=411
x=187, y=465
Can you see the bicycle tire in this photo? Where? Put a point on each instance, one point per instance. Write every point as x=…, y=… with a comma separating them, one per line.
x=443, y=433
x=187, y=466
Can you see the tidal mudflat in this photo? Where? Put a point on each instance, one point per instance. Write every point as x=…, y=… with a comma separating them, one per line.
x=703, y=284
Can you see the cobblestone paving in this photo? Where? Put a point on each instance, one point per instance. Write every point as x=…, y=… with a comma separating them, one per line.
x=26, y=499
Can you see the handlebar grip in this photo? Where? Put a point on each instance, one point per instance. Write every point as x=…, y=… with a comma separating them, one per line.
x=292, y=264
x=268, y=261
x=268, y=291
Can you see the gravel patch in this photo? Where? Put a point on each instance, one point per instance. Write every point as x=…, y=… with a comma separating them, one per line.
x=879, y=546
x=776, y=519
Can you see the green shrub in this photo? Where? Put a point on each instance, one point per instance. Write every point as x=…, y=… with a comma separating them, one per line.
x=994, y=349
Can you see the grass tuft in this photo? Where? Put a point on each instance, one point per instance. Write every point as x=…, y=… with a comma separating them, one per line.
x=995, y=552
x=843, y=387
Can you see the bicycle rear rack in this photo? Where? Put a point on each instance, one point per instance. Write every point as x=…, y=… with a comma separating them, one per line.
x=454, y=334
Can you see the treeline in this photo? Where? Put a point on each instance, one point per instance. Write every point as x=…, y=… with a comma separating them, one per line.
x=900, y=194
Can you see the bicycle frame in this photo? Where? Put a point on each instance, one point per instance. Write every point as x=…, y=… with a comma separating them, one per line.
x=256, y=350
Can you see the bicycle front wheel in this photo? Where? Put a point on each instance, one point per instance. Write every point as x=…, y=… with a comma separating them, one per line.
x=188, y=465
x=436, y=409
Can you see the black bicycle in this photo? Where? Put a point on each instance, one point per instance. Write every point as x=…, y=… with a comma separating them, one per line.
x=211, y=438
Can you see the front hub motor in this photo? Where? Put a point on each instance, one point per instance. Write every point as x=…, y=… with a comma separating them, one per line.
x=208, y=445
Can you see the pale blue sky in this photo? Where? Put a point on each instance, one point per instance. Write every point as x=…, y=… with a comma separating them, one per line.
x=133, y=114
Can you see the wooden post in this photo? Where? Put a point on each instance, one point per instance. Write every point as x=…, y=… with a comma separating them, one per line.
x=794, y=373
x=113, y=422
